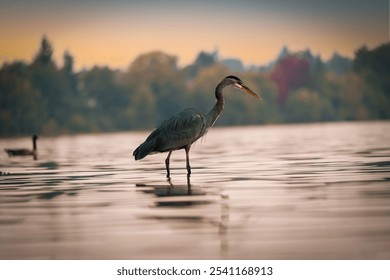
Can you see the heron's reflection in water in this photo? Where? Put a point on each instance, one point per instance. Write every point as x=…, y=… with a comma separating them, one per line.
x=170, y=194
x=190, y=206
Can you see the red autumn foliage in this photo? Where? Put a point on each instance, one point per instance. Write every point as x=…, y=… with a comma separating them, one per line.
x=290, y=73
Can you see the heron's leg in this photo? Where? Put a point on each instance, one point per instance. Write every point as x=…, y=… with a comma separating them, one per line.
x=187, y=148
x=189, y=191
x=167, y=163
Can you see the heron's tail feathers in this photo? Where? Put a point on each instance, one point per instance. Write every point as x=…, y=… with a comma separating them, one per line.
x=144, y=149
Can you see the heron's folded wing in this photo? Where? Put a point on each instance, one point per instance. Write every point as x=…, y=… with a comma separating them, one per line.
x=180, y=130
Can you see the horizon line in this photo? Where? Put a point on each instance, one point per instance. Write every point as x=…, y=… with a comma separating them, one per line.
x=58, y=59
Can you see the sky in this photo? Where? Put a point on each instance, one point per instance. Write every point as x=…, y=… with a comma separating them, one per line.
x=115, y=32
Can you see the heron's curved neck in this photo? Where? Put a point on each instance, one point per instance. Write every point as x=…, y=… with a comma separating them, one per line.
x=214, y=113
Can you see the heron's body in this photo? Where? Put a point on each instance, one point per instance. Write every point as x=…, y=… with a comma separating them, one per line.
x=186, y=127
x=24, y=152
x=175, y=133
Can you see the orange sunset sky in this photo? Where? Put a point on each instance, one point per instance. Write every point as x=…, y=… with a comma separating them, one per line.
x=115, y=32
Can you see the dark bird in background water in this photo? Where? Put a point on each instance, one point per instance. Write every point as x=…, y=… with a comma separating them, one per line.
x=24, y=152
x=184, y=128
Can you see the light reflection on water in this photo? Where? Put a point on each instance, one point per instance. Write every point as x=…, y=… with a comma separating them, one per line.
x=316, y=191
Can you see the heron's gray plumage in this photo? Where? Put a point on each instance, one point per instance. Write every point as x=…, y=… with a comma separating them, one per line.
x=186, y=127
x=175, y=133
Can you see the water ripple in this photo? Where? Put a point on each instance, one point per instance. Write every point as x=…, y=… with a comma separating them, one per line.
x=318, y=191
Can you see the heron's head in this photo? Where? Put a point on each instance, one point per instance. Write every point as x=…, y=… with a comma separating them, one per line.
x=237, y=83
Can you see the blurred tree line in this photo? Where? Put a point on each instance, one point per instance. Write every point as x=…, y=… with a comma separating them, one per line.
x=43, y=98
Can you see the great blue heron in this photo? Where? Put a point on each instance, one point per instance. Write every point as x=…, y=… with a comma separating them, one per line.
x=24, y=152
x=184, y=128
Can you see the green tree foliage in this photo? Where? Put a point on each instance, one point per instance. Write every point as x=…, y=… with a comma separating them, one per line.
x=374, y=67
x=45, y=53
x=155, y=75
x=43, y=98
x=51, y=83
x=22, y=106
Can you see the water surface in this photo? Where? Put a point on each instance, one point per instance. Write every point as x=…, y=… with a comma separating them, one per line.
x=314, y=191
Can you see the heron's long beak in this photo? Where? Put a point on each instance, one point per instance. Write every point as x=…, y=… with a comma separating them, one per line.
x=247, y=90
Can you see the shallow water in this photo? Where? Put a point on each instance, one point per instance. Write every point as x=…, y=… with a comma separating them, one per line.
x=314, y=191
